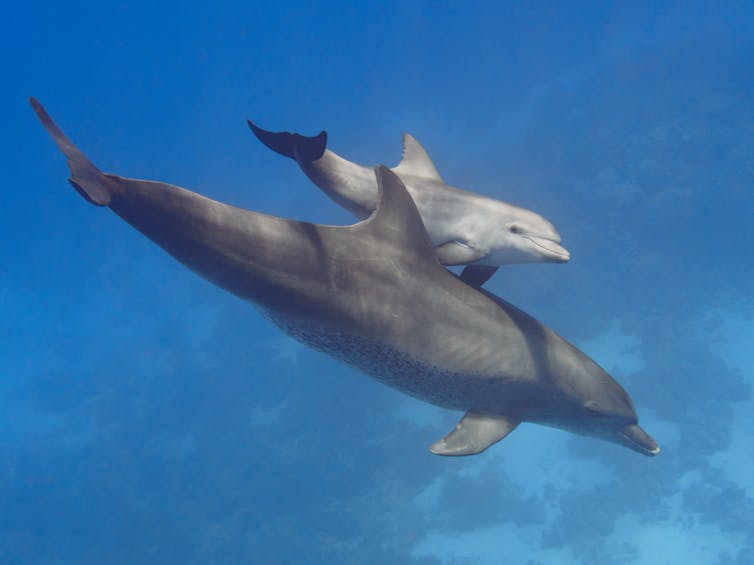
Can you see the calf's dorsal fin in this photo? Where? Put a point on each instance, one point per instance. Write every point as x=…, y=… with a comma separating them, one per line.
x=415, y=160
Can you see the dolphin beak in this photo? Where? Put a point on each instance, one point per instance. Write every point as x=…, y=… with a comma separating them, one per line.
x=551, y=249
x=637, y=439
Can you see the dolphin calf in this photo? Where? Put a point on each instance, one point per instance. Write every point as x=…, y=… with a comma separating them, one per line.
x=375, y=296
x=465, y=228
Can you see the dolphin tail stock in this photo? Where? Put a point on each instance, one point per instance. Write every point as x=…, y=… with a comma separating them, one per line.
x=86, y=178
x=293, y=145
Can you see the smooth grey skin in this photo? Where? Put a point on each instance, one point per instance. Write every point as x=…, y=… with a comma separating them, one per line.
x=465, y=228
x=374, y=296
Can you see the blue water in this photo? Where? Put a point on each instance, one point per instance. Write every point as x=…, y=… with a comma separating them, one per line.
x=149, y=417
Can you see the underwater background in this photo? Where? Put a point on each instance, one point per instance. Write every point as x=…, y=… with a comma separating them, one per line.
x=148, y=417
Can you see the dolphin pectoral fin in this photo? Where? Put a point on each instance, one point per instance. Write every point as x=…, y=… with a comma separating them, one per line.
x=477, y=275
x=415, y=161
x=473, y=434
x=297, y=147
x=457, y=253
x=86, y=178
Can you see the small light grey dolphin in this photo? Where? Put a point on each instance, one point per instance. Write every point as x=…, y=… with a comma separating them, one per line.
x=465, y=228
x=374, y=296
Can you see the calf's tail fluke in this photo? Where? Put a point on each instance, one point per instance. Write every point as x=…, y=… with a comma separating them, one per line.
x=293, y=145
x=87, y=179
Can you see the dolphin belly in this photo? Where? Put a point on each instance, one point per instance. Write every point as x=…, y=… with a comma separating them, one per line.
x=393, y=366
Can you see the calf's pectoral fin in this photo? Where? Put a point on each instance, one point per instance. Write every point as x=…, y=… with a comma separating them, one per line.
x=477, y=275
x=458, y=253
x=474, y=433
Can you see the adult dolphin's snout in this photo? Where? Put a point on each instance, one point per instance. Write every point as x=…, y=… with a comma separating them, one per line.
x=637, y=439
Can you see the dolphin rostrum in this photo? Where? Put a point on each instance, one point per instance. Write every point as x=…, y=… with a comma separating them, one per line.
x=465, y=228
x=375, y=296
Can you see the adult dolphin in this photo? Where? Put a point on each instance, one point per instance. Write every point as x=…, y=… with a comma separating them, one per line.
x=465, y=228
x=375, y=296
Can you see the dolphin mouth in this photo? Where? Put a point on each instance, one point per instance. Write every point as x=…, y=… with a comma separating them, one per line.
x=639, y=440
x=550, y=248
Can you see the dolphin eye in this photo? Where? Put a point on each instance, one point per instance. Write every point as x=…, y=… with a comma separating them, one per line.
x=514, y=229
x=593, y=410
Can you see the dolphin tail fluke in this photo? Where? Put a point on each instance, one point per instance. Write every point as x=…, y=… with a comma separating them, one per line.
x=293, y=145
x=86, y=178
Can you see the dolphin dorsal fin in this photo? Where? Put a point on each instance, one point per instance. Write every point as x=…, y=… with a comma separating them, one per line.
x=415, y=161
x=396, y=218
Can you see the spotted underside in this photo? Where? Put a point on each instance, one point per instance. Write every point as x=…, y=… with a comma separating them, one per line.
x=389, y=365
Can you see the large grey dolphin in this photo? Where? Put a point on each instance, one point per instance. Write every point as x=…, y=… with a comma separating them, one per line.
x=374, y=296
x=465, y=228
